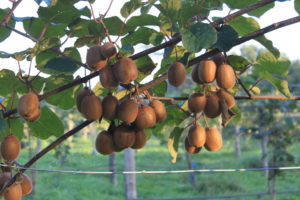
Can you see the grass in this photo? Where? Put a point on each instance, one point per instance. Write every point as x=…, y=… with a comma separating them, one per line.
x=156, y=157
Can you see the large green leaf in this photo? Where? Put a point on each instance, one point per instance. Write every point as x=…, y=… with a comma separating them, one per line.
x=198, y=36
x=59, y=66
x=5, y=33
x=130, y=6
x=145, y=67
x=142, y=20
x=8, y=82
x=226, y=38
x=142, y=35
x=159, y=89
x=238, y=63
x=43, y=45
x=79, y=28
x=173, y=142
x=170, y=9
x=187, y=12
x=239, y=4
x=113, y=24
x=297, y=6
x=47, y=125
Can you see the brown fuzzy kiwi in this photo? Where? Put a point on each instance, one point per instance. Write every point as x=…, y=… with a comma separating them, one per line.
x=189, y=148
x=91, y=107
x=26, y=185
x=159, y=109
x=124, y=136
x=176, y=74
x=125, y=70
x=196, y=102
x=108, y=50
x=207, y=71
x=35, y=115
x=196, y=135
x=140, y=139
x=110, y=107
x=107, y=78
x=10, y=148
x=127, y=111
x=28, y=103
x=225, y=76
x=227, y=97
x=213, y=139
x=219, y=59
x=194, y=74
x=212, y=107
x=104, y=143
x=81, y=94
x=146, y=117
x=94, y=59
x=13, y=192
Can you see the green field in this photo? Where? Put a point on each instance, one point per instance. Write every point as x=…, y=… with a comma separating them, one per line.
x=52, y=185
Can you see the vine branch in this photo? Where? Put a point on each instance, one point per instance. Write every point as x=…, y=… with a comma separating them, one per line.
x=9, y=15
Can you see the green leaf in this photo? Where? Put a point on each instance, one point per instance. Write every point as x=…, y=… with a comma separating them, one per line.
x=238, y=63
x=132, y=5
x=239, y=4
x=8, y=81
x=113, y=24
x=160, y=89
x=59, y=66
x=173, y=142
x=99, y=90
x=262, y=10
x=190, y=11
x=47, y=125
x=86, y=40
x=297, y=6
x=142, y=20
x=170, y=8
x=145, y=67
x=126, y=50
x=142, y=35
x=5, y=33
x=198, y=36
x=238, y=114
x=226, y=38
x=43, y=45
x=80, y=27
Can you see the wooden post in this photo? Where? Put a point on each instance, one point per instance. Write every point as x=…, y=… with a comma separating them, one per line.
x=130, y=179
x=237, y=146
x=192, y=176
x=112, y=168
x=264, y=153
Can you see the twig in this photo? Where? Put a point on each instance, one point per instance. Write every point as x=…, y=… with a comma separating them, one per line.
x=109, y=7
x=244, y=87
x=255, y=84
x=187, y=113
x=43, y=31
x=8, y=16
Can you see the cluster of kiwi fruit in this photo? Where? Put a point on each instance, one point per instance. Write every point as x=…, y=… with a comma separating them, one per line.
x=29, y=107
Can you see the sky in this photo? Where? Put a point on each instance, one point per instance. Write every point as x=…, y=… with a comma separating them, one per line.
x=285, y=39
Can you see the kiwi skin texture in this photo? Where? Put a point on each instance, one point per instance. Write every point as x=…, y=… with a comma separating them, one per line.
x=10, y=148
x=225, y=76
x=26, y=185
x=13, y=192
x=160, y=110
x=213, y=139
x=124, y=136
x=107, y=78
x=108, y=50
x=35, y=115
x=207, y=71
x=91, y=107
x=104, y=143
x=94, y=59
x=176, y=74
x=196, y=102
x=189, y=148
x=212, y=106
x=28, y=103
x=125, y=70
x=146, y=117
x=227, y=97
x=81, y=94
x=140, y=139
x=194, y=74
x=219, y=59
x=196, y=135
x=127, y=111
x=110, y=107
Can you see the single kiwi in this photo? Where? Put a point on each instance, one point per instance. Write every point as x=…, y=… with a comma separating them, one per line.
x=110, y=107
x=125, y=70
x=91, y=107
x=212, y=107
x=4, y=177
x=108, y=50
x=227, y=97
x=13, y=192
x=28, y=103
x=160, y=110
x=81, y=94
x=140, y=139
x=26, y=185
x=124, y=136
x=225, y=76
x=189, y=148
x=107, y=78
x=10, y=148
x=194, y=74
x=219, y=59
x=196, y=135
x=146, y=117
x=207, y=71
x=176, y=74
x=34, y=115
x=196, y=102
x=213, y=139
x=94, y=59
x=127, y=111
x=104, y=143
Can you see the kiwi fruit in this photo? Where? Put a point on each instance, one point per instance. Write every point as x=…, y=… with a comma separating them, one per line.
x=196, y=102
x=26, y=185
x=10, y=148
x=81, y=94
x=194, y=74
x=227, y=97
x=125, y=70
x=140, y=139
x=207, y=71
x=110, y=107
x=213, y=139
x=108, y=50
x=127, y=111
x=146, y=117
x=124, y=136
x=107, y=78
x=219, y=59
x=28, y=104
x=191, y=149
x=91, y=107
x=94, y=59
x=160, y=110
x=4, y=177
x=13, y=192
x=196, y=135
x=225, y=76
x=212, y=107
x=34, y=115
x=176, y=74
x=104, y=143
